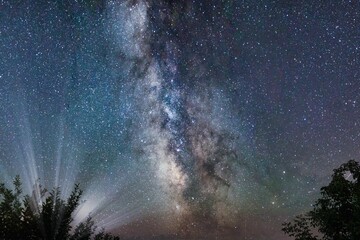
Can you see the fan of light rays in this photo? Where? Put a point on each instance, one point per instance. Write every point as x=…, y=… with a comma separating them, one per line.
x=104, y=198
x=24, y=162
x=113, y=203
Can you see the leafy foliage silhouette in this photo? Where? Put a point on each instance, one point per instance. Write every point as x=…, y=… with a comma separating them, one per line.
x=336, y=214
x=48, y=218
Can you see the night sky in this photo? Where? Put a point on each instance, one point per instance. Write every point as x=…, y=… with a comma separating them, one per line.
x=215, y=119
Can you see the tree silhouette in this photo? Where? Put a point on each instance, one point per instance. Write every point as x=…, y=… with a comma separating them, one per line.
x=30, y=226
x=26, y=218
x=336, y=214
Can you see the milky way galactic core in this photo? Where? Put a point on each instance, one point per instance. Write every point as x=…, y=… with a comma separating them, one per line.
x=181, y=119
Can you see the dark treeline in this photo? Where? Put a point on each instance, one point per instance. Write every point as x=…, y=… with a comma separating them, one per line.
x=336, y=214
x=48, y=218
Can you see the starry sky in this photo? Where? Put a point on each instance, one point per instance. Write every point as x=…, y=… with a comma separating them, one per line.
x=180, y=119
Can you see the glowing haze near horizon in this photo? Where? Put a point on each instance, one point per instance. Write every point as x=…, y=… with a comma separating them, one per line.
x=187, y=119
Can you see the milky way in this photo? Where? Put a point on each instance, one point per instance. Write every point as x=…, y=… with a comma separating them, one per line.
x=180, y=118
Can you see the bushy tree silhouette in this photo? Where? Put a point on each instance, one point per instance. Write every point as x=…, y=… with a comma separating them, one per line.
x=10, y=211
x=336, y=214
x=26, y=218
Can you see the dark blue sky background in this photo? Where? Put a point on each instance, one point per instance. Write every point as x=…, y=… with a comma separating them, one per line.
x=194, y=113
